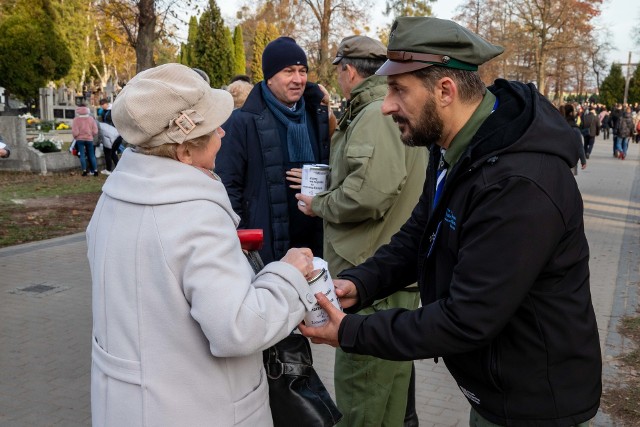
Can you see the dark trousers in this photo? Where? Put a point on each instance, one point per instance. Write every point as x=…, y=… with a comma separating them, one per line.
x=605, y=133
x=111, y=155
x=410, y=416
x=588, y=144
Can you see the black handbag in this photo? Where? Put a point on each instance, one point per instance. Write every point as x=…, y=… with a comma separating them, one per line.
x=297, y=395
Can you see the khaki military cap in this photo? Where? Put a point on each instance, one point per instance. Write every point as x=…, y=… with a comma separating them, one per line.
x=420, y=42
x=360, y=47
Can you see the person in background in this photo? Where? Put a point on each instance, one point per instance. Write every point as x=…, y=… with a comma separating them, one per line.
x=202, y=74
x=569, y=113
x=105, y=108
x=239, y=90
x=606, y=124
x=624, y=131
x=240, y=77
x=111, y=143
x=590, y=128
x=283, y=124
x=614, y=118
x=84, y=128
x=375, y=182
x=496, y=242
x=5, y=152
x=179, y=317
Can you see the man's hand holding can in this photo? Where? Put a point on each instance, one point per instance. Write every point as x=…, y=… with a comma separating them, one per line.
x=328, y=333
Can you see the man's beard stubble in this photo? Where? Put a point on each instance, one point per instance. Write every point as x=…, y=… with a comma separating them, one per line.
x=427, y=131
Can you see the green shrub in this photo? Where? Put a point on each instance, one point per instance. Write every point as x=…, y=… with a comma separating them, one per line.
x=47, y=125
x=46, y=146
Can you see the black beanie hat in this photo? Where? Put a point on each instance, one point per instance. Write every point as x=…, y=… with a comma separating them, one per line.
x=281, y=53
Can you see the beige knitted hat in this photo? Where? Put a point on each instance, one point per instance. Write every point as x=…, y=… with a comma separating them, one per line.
x=168, y=104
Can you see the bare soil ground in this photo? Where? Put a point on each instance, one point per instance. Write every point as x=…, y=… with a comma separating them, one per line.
x=623, y=402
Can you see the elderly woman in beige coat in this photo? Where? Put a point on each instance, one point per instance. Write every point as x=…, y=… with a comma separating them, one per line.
x=179, y=317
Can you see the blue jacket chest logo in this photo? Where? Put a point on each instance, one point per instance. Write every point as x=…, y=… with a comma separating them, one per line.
x=450, y=218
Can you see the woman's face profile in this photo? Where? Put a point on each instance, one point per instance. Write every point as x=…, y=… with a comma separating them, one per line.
x=205, y=156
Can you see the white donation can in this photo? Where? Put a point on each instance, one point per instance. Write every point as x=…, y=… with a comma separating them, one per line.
x=315, y=179
x=320, y=281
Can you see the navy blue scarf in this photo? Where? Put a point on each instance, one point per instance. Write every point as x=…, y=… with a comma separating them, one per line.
x=298, y=142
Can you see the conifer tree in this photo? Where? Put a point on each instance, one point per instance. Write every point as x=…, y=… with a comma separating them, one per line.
x=238, y=51
x=232, y=57
x=612, y=89
x=186, y=49
x=74, y=24
x=263, y=35
x=182, y=54
x=258, y=46
x=634, y=87
x=212, y=49
x=272, y=33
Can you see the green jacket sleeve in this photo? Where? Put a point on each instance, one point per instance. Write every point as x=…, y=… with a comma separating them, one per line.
x=375, y=171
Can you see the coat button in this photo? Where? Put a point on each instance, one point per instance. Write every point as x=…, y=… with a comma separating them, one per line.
x=311, y=298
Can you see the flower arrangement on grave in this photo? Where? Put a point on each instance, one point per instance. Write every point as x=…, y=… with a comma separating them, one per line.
x=46, y=145
x=30, y=119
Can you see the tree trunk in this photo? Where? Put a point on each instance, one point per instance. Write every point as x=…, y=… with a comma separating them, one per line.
x=146, y=35
x=541, y=72
x=324, y=73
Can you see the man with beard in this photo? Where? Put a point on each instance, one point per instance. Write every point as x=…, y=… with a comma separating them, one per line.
x=496, y=243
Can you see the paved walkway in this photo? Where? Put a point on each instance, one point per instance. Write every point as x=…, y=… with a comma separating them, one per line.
x=45, y=311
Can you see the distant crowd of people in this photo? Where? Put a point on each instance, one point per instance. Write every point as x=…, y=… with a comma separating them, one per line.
x=621, y=123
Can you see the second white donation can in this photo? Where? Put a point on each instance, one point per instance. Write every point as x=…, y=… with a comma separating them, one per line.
x=315, y=179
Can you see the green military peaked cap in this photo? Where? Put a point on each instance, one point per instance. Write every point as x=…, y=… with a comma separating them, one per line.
x=420, y=42
x=360, y=47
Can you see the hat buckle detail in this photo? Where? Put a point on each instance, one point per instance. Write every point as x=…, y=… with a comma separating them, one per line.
x=185, y=123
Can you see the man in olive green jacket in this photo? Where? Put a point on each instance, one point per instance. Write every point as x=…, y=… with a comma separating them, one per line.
x=375, y=182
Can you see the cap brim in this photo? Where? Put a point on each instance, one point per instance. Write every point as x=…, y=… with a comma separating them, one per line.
x=391, y=68
x=336, y=60
x=219, y=109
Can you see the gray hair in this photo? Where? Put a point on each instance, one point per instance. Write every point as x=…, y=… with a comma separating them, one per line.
x=364, y=67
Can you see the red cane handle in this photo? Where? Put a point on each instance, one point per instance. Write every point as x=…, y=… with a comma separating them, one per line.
x=251, y=239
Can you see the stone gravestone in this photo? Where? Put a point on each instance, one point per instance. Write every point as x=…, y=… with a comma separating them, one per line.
x=58, y=104
x=46, y=103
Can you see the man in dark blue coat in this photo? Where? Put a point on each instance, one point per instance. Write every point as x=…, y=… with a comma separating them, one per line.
x=496, y=242
x=283, y=124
